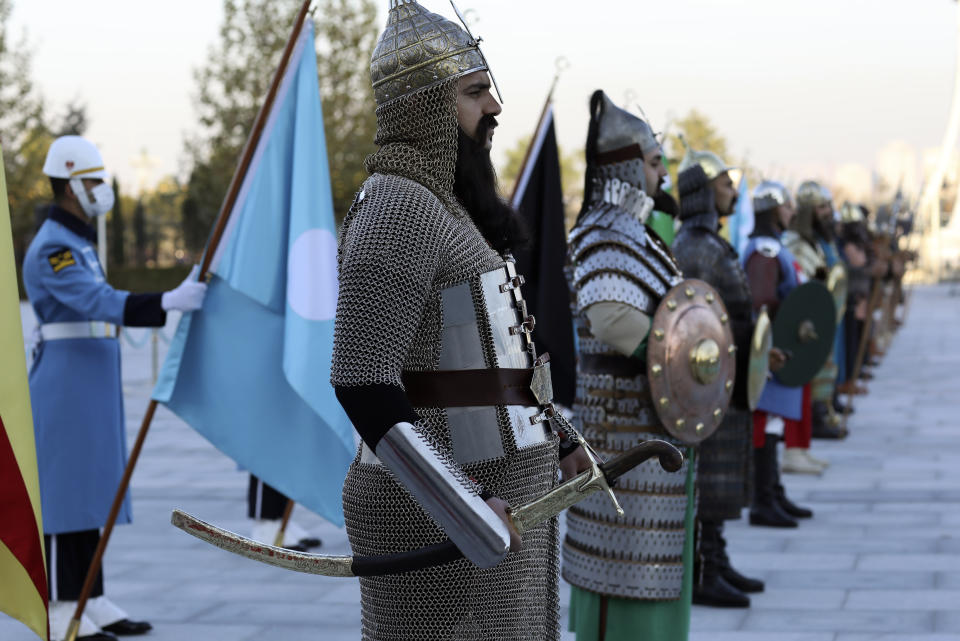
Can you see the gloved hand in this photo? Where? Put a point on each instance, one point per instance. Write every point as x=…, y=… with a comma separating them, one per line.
x=187, y=296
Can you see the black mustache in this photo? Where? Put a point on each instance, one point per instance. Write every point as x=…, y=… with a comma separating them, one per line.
x=486, y=123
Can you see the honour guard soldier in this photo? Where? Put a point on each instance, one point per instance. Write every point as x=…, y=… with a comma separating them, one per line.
x=771, y=272
x=433, y=356
x=707, y=194
x=75, y=382
x=801, y=239
x=631, y=578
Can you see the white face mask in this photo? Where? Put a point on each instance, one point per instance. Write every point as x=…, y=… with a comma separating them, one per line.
x=97, y=202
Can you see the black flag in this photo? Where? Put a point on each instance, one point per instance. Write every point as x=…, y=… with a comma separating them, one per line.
x=538, y=197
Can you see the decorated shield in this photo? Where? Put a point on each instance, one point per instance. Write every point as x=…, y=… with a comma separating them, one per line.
x=804, y=328
x=837, y=285
x=691, y=361
x=760, y=344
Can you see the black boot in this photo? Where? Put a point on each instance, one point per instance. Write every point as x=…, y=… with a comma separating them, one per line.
x=789, y=506
x=711, y=588
x=823, y=426
x=729, y=573
x=766, y=509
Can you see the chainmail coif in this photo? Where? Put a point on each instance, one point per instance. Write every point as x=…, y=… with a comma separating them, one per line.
x=417, y=139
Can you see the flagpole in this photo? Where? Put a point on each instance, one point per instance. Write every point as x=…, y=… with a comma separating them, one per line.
x=561, y=65
x=862, y=348
x=225, y=209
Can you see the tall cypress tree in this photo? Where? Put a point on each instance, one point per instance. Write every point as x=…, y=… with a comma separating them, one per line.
x=117, y=258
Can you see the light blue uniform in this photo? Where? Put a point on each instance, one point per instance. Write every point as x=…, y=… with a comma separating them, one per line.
x=777, y=398
x=75, y=383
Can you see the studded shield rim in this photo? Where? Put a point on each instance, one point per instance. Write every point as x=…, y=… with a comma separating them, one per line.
x=691, y=361
x=759, y=368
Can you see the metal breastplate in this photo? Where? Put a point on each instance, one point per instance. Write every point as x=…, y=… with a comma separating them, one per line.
x=485, y=318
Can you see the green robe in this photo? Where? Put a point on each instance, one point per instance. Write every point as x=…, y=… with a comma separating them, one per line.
x=662, y=224
x=633, y=620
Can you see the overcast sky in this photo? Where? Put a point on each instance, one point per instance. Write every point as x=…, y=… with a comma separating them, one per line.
x=795, y=87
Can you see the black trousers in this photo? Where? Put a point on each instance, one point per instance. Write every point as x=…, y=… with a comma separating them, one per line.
x=68, y=559
x=263, y=501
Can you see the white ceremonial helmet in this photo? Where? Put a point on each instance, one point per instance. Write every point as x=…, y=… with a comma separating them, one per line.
x=74, y=158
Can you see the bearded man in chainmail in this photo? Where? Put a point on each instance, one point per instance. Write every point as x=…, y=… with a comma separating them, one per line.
x=631, y=576
x=803, y=240
x=433, y=357
x=708, y=194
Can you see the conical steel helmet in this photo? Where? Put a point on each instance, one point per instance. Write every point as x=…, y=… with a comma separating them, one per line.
x=419, y=49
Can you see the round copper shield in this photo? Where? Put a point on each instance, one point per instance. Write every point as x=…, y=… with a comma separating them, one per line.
x=691, y=361
x=759, y=369
x=837, y=285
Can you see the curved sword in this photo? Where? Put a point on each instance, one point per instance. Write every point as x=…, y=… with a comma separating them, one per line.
x=599, y=477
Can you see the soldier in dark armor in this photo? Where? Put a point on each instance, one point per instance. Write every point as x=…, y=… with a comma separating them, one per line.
x=707, y=194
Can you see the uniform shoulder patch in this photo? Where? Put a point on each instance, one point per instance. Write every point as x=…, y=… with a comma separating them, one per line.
x=768, y=247
x=61, y=259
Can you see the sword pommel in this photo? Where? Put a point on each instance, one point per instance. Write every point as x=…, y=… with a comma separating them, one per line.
x=671, y=459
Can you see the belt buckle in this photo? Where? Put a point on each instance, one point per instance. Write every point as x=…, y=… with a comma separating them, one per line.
x=541, y=383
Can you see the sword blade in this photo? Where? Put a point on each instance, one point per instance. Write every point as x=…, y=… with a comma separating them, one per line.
x=524, y=517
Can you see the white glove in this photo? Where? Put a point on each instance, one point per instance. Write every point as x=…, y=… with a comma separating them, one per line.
x=187, y=296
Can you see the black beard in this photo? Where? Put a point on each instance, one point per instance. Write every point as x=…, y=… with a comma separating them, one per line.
x=823, y=228
x=475, y=186
x=664, y=202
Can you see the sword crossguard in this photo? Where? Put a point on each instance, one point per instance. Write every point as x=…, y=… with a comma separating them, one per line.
x=597, y=478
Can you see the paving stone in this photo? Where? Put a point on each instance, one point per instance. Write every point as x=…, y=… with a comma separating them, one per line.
x=903, y=600
x=850, y=580
x=896, y=562
x=839, y=621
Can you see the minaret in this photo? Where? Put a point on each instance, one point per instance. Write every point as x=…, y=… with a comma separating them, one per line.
x=930, y=200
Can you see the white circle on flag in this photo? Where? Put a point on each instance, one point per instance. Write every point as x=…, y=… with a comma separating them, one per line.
x=312, y=275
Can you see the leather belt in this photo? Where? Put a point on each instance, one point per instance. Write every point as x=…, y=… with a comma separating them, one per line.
x=470, y=387
x=77, y=329
x=614, y=364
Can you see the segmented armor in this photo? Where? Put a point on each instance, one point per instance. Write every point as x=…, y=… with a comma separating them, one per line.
x=724, y=459
x=616, y=258
x=422, y=291
x=809, y=256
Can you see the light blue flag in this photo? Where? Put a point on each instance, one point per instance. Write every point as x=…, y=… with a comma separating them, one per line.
x=740, y=224
x=251, y=370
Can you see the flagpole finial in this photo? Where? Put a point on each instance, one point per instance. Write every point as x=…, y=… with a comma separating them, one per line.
x=560, y=64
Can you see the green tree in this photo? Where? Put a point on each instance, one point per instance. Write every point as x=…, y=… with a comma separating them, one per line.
x=236, y=78
x=700, y=134
x=117, y=257
x=24, y=137
x=140, y=234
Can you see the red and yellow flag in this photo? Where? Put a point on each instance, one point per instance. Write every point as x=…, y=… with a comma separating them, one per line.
x=23, y=588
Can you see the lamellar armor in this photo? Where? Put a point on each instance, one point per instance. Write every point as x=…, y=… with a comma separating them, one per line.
x=616, y=259
x=424, y=301
x=724, y=463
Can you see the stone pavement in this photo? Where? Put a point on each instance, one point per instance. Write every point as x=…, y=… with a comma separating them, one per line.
x=880, y=560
